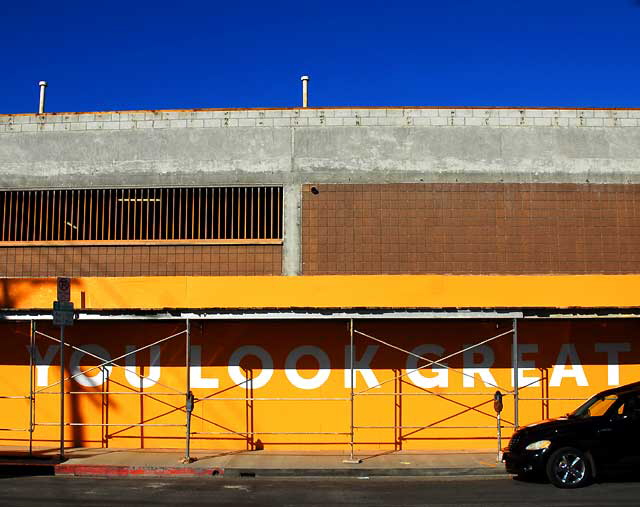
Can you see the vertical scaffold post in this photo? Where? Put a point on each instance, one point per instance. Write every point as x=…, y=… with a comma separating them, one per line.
x=32, y=345
x=352, y=354
x=516, y=373
x=189, y=395
x=61, y=393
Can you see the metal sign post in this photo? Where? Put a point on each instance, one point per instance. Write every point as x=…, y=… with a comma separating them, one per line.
x=62, y=316
x=497, y=406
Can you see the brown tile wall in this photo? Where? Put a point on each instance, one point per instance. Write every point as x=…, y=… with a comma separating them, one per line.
x=471, y=228
x=140, y=260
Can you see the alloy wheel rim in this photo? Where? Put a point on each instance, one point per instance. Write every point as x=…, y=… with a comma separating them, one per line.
x=570, y=469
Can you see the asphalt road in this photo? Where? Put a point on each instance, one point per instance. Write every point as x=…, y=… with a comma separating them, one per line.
x=54, y=491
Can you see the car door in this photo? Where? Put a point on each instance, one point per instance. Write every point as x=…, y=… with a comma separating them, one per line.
x=619, y=429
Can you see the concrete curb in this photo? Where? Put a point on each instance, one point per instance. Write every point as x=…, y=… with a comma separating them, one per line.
x=126, y=471
x=159, y=471
x=361, y=472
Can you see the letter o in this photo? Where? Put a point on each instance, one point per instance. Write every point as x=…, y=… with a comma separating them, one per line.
x=316, y=381
x=235, y=372
x=94, y=380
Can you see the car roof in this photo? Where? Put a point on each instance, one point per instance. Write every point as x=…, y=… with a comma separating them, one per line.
x=635, y=386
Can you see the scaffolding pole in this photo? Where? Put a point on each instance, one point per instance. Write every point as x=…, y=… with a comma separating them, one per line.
x=190, y=400
x=352, y=351
x=31, y=395
x=61, y=393
x=189, y=396
x=429, y=363
x=516, y=373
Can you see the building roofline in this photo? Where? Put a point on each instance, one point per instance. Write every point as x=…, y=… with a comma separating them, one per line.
x=298, y=108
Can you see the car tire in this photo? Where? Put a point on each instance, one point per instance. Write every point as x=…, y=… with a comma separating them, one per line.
x=569, y=467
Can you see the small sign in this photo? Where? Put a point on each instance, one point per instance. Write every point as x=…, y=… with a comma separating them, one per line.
x=64, y=289
x=62, y=313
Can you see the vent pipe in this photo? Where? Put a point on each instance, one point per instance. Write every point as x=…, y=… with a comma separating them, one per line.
x=43, y=86
x=305, y=91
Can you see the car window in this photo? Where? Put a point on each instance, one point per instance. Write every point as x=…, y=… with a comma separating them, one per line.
x=629, y=406
x=601, y=408
x=596, y=406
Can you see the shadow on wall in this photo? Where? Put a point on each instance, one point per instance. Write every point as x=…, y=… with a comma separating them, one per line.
x=20, y=293
x=14, y=294
x=14, y=290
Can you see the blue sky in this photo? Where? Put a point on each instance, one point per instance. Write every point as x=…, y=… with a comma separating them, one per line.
x=139, y=54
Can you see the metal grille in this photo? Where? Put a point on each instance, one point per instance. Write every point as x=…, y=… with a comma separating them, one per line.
x=242, y=214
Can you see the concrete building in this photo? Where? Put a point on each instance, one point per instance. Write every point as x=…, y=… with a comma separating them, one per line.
x=336, y=278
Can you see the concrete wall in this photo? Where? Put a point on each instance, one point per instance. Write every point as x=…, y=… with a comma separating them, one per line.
x=319, y=145
x=292, y=147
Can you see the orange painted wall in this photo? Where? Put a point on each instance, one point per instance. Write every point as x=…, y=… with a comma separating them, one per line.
x=391, y=291
x=424, y=412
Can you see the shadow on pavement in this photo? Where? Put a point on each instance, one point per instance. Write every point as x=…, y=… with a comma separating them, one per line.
x=619, y=474
x=10, y=471
x=608, y=474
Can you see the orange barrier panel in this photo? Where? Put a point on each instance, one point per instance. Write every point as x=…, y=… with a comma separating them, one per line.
x=381, y=291
x=301, y=381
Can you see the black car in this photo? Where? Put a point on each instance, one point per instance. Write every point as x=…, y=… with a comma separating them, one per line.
x=570, y=450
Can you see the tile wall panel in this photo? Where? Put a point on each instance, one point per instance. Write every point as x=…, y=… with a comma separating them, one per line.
x=218, y=260
x=471, y=228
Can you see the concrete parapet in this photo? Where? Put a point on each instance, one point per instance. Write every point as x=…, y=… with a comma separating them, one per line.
x=294, y=146
x=128, y=120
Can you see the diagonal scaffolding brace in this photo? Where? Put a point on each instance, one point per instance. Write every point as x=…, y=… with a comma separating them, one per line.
x=429, y=363
x=105, y=363
x=108, y=362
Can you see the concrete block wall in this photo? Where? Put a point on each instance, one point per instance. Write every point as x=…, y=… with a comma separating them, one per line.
x=339, y=117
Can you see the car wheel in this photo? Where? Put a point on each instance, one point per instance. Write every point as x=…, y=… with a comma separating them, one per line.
x=569, y=468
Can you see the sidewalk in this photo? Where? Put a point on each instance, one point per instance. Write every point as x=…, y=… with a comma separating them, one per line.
x=115, y=462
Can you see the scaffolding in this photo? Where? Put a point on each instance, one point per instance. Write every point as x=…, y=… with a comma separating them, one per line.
x=400, y=430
